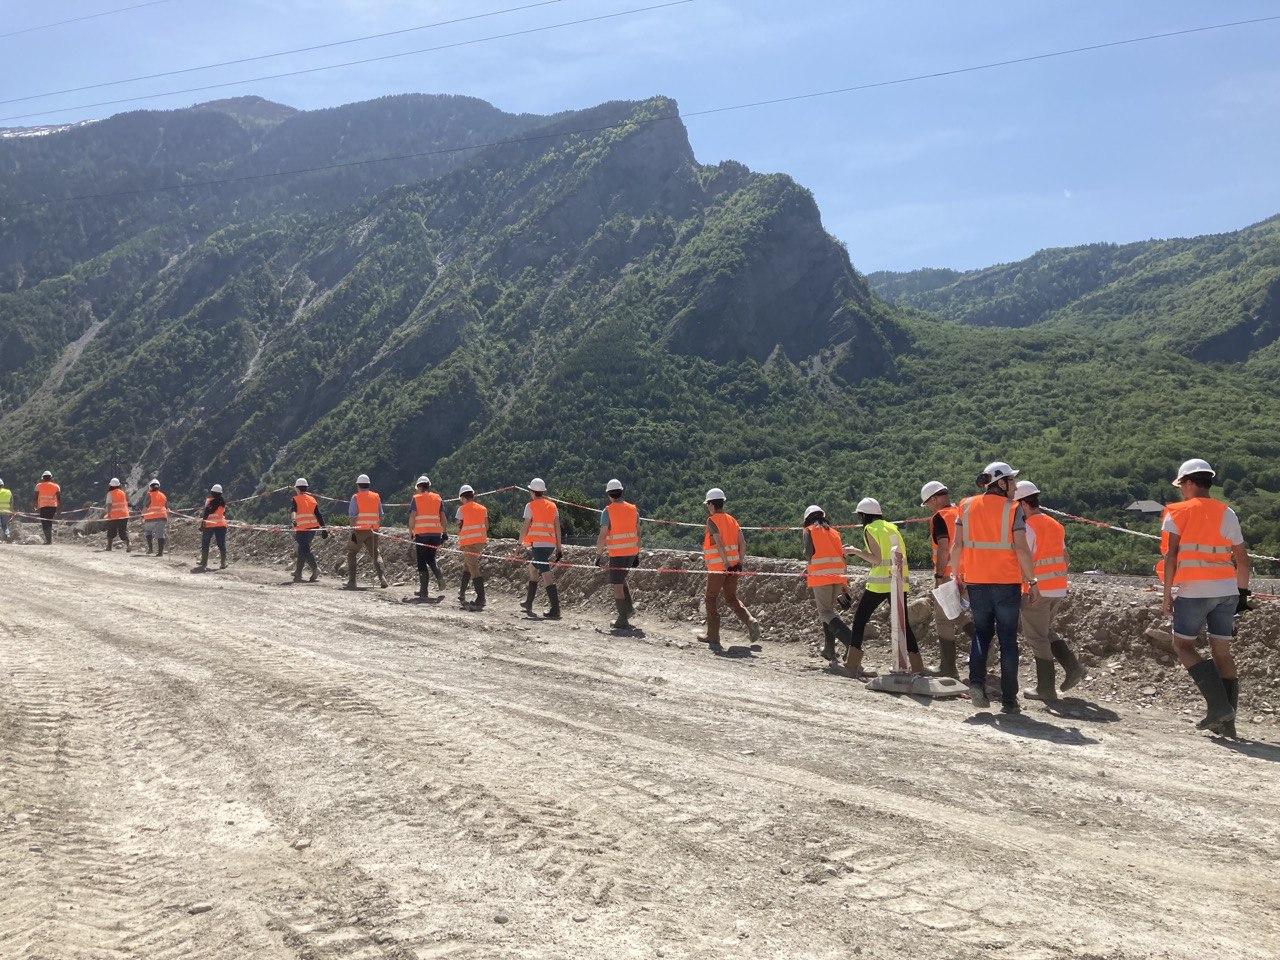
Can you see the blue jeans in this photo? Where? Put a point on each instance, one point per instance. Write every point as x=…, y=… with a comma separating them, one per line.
x=218, y=534
x=303, y=539
x=4, y=525
x=1190, y=614
x=995, y=608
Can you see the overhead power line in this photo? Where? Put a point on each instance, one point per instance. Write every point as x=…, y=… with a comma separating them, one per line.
x=688, y=115
x=283, y=53
x=354, y=63
x=87, y=16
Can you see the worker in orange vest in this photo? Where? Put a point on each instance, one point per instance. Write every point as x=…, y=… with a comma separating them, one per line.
x=1207, y=562
x=827, y=577
x=47, y=503
x=1049, y=558
x=723, y=550
x=213, y=529
x=541, y=535
x=426, y=526
x=117, y=515
x=619, y=540
x=473, y=534
x=307, y=521
x=365, y=512
x=155, y=518
x=942, y=533
x=992, y=559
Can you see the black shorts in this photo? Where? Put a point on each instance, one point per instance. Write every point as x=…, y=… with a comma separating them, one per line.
x=619, y=567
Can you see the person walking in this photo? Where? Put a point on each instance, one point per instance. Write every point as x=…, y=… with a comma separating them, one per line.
x=307, y=520
x=426, y=525
x=47, y=503
x=213, y=529
x=1048, y=542
x=992, y=559
x=942, y=533
x=826, y=575
x=473, y=534
x=117, y=515
x=1207, y=563
x=6, y=512
x=155, y=518
x=880, y=537
x=723, y=549
x=365, y=512
x=619, y=540
x=541, y=535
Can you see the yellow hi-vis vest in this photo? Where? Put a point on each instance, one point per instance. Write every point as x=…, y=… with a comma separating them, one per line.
x=6, y=500
x=886, y=536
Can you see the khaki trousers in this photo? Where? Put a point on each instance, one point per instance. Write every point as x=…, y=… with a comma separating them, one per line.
x=1036, y=621
x=825, y=597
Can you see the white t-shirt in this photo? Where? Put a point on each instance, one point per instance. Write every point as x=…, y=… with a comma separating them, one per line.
x=1224, y=586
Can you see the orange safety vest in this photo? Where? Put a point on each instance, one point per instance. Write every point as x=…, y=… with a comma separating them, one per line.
x=623, y=538
x=1050, y=555
x=542, y=524
x=216, y=519
x=1203, y=552
x=986, y=536
x=728, y=529
x=368, y=511
x=117, y=505
x=426, y=513
x=473, y=523
x=157, y=507
x=826, y=566
x=948, y=515
x=47, y=494
x=304, y=512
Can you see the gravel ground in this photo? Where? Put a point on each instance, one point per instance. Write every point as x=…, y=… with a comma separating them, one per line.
x=220, y=765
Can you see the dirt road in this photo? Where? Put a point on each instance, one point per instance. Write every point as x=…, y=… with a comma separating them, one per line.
x=221, y=766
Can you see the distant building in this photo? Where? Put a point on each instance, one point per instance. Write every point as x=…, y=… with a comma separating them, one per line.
x=1145, y=507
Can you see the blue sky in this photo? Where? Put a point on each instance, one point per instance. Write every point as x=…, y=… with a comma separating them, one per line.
x=1174, y=137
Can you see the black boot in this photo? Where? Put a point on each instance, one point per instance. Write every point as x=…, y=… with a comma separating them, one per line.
x=222, y=559
x=479, y=603
x=462, y=588
x=626, y=594
x=1205, y=674
x=553, y=594
x=621, y=623
x=1075, y=671
x=842, y=633
x=160, y=547
x=297, y=570
x=828, y=642
x=1233, y=697
x=947, y=659
x=1046, y=684
x=203, y=565
x=439, y=580
x=150, y=545
x=424, y=585
x=315, y=569
x=530, y=592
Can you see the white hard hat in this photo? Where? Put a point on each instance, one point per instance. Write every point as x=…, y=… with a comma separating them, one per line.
x=538, y=485
x=999, y=471
x=870, y=505
x=931, y=490
x=154, y=483
x=1194, y=466
x=216, y=488
x=1024, y=489
x=363, y=478
x=465, y=488
x=613, y=485
x=301, y=482
x=46, y=475
x=424, y=479
x=715, y=493
x=115, y=482
x=810, y=510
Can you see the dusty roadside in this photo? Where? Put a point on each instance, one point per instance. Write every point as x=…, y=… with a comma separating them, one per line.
x=220, y=766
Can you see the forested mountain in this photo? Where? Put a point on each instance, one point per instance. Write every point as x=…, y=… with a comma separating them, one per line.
x=583, y=301
x=1213, y=298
